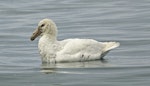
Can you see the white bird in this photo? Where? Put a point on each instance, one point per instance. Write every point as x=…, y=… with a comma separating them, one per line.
x=69, y=50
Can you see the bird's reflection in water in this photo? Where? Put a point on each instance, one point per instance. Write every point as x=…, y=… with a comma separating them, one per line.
x=48, y=68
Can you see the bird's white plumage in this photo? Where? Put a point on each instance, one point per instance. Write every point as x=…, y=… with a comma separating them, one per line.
x=69, y=50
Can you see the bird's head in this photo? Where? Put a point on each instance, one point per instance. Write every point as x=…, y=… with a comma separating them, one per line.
x=45, y=27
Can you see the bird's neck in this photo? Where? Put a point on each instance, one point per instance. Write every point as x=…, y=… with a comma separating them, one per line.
x=48, y=38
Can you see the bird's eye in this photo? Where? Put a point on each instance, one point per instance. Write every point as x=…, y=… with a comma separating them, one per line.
x=42, y=25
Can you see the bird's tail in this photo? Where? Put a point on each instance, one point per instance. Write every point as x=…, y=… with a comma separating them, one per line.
x=110, y=45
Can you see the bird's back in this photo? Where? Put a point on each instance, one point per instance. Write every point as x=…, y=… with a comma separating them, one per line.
x=84, y=49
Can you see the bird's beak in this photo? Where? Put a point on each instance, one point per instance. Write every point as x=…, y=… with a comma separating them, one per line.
x=35, y=34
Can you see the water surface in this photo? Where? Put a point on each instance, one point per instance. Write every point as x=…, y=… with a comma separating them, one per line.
x=126, y=21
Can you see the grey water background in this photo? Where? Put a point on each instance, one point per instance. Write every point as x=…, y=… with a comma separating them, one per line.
x=125, y=21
